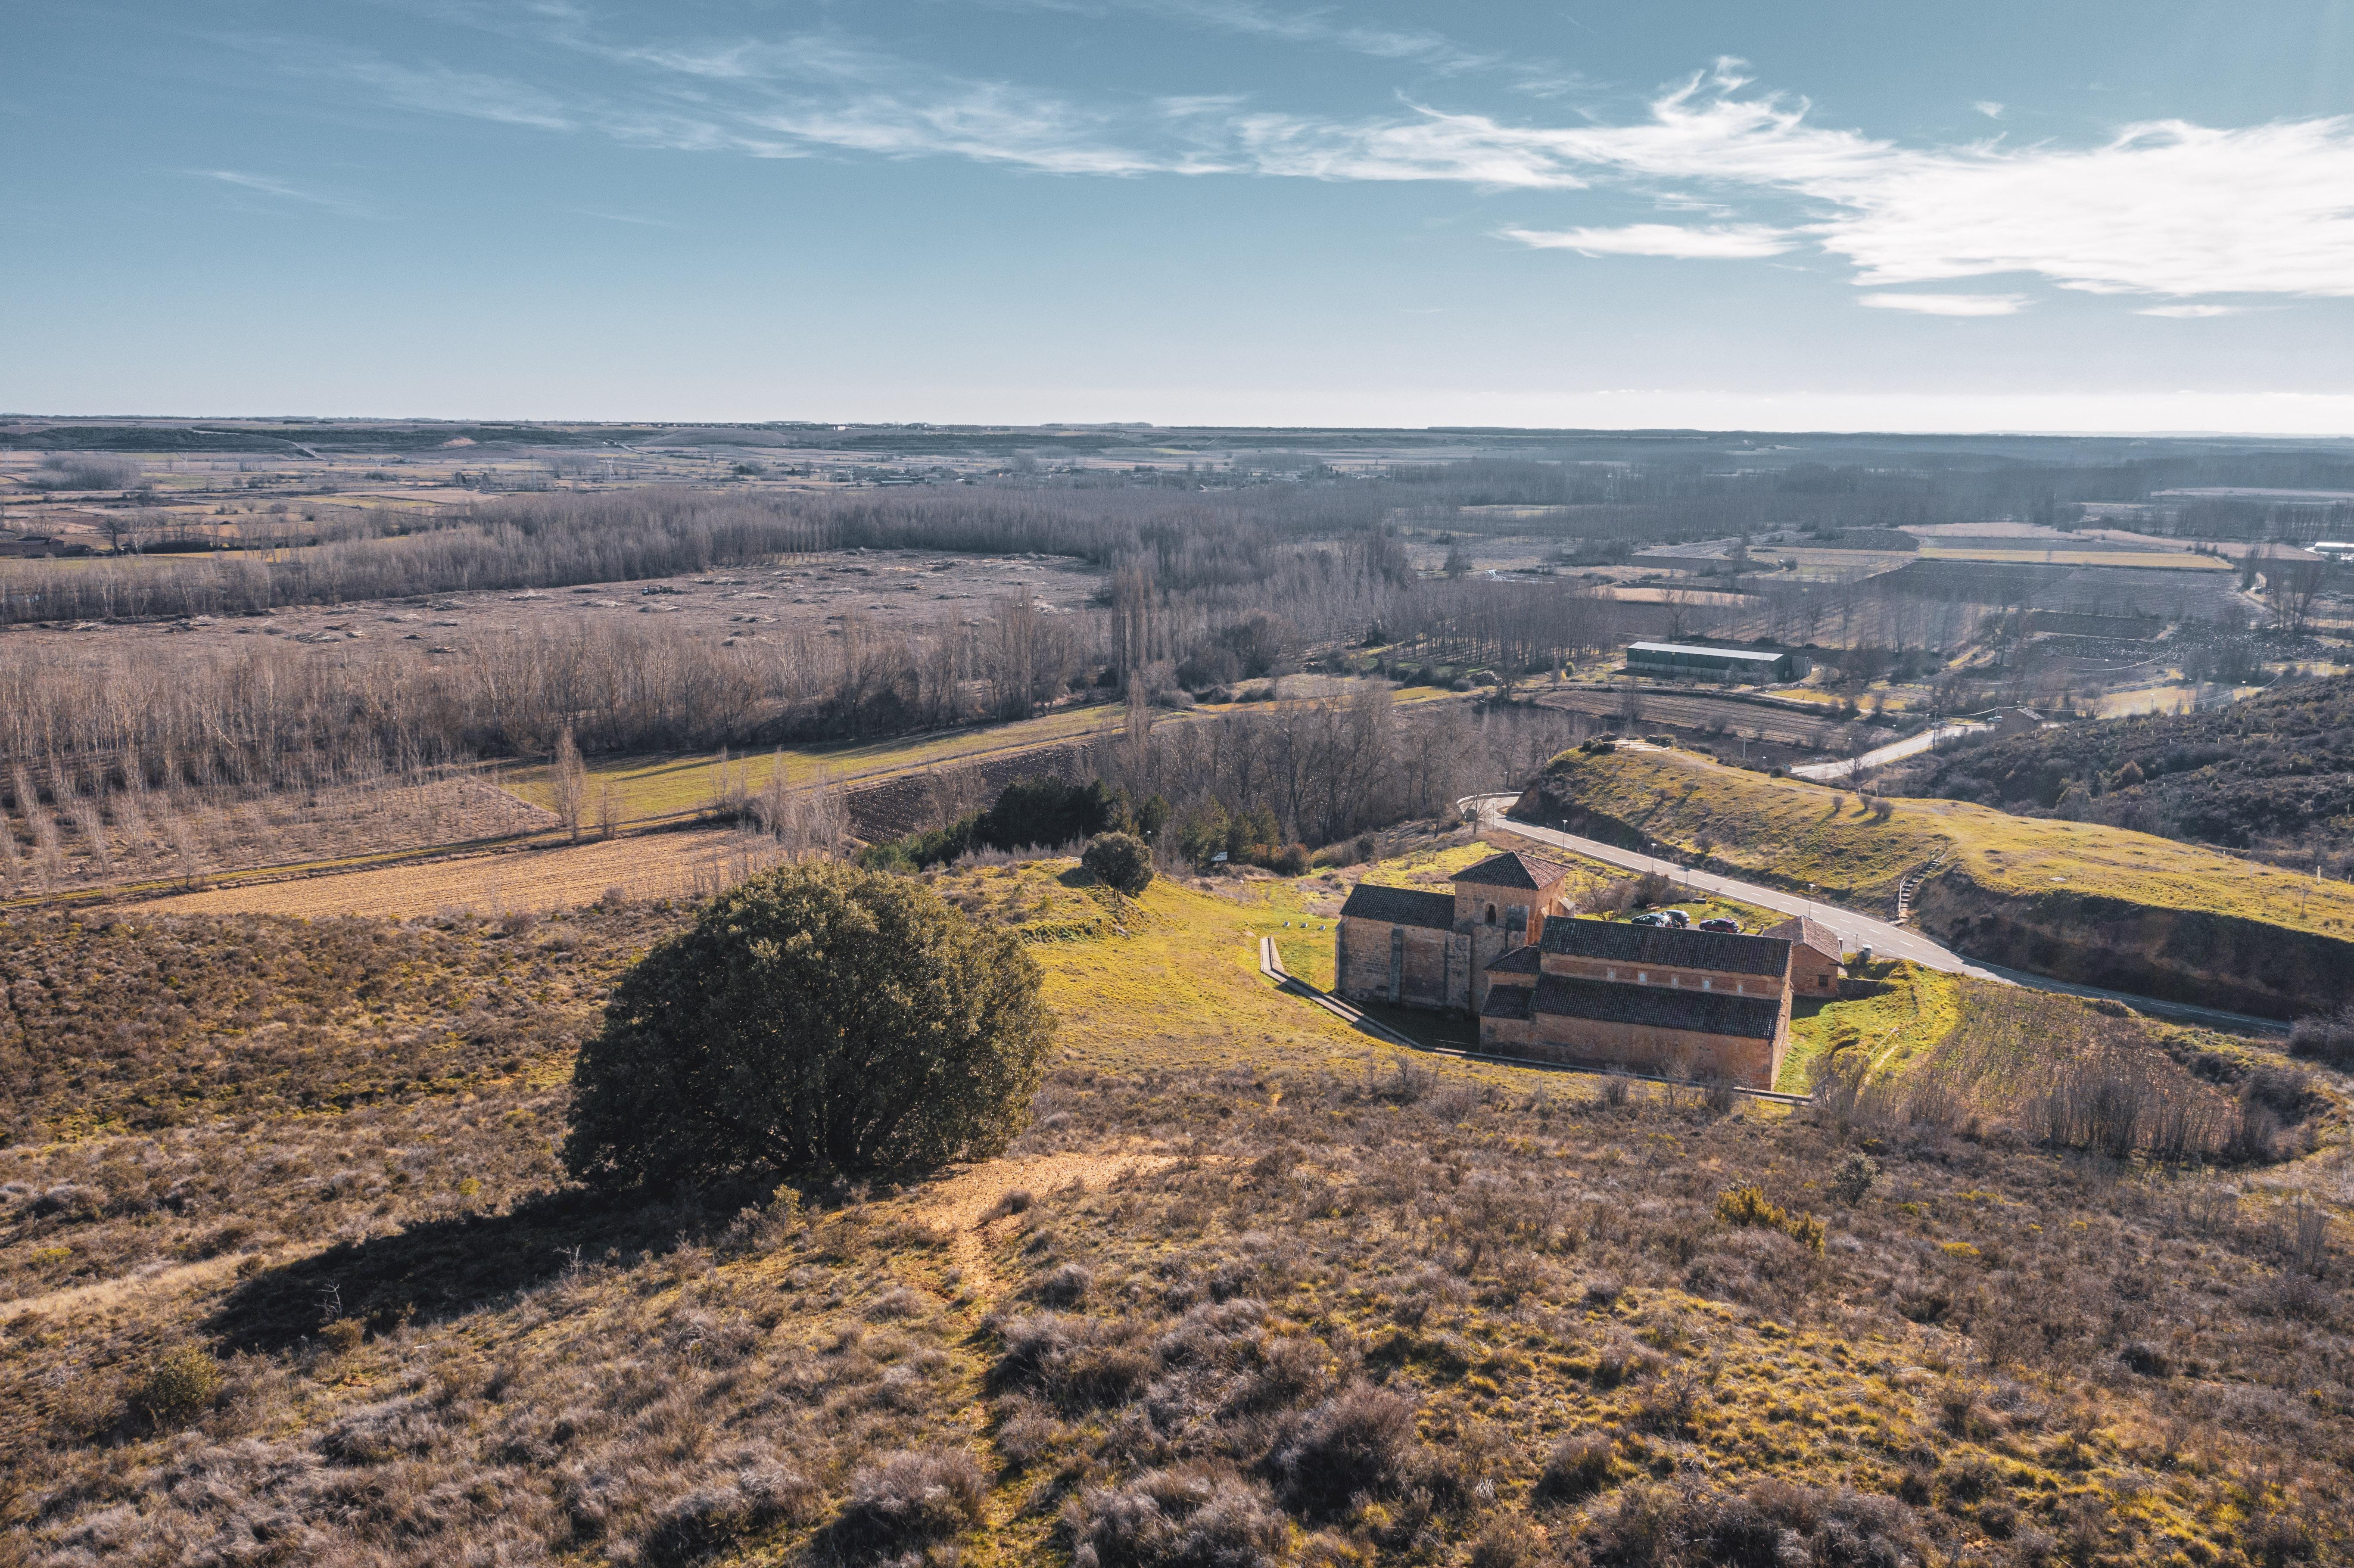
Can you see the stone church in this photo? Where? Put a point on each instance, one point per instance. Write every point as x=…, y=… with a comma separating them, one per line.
x=1551, y=986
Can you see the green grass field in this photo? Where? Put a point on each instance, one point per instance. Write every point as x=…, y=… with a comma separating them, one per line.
x=652, y=788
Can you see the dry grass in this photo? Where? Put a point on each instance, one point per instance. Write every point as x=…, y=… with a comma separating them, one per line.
x=680, y=864
x=1309, y=1300
x=1795, y=833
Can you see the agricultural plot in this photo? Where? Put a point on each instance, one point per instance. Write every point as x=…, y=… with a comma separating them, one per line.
x=679, y=864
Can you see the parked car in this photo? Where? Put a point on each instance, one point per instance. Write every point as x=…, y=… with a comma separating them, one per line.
x=1653, y=918
x=1731, y=927
x=1676, y=918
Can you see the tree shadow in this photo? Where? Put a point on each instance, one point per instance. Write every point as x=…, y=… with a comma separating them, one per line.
x=438, y=1269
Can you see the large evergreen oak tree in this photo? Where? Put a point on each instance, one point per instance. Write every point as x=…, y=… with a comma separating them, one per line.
x=818, y=1017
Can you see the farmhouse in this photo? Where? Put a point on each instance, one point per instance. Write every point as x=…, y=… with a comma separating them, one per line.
x=1551, y=986
x=1686, y=658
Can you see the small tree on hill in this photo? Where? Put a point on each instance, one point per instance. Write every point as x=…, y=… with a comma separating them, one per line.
x=817, y=1017
x=1121, y=861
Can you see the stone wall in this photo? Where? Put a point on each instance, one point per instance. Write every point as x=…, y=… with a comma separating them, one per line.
x=1667, y=1052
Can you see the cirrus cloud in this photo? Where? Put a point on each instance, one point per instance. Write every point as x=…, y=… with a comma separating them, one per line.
x=1723, y=241
x=1948, y=304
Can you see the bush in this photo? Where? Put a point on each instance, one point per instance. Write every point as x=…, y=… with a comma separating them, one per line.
x=180, y=1385
x=909, y=1501
x=1853, y=1179
x=817, y=1016
x=1360, y=1440
x=1746, y=1205
x=2327, y=1038
x=1120, y=861
x=1201, y=1518
x=1577, y=1468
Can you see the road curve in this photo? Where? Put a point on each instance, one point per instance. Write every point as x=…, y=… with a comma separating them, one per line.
x=1854, y=930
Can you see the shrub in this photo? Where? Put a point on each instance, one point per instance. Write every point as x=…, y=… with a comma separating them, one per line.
x=1065, y=1286
x=1360, y=1440
x=909, y=1501
x=1746, y=1205
x=1577, y=1468
x=1120, y=861
x=2327, y=1038
x=816, y=1016
x=711, y=1519
x=1851, y=1182
x=1195, y=1518
x=180, y=1385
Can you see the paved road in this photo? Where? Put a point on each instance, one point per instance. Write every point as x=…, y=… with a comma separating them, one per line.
x=1855, y=930
x=1911, y=745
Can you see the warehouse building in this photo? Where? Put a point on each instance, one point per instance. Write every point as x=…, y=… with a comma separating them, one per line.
x=1690, y=661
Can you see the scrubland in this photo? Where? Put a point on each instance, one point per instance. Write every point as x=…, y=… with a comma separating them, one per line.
x=288, y=1273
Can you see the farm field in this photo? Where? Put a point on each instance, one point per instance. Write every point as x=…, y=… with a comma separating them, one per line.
x=816, y=595
x=678, y=864
x=2170, y=560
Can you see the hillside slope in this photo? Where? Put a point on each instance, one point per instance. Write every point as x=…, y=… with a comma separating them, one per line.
x=1252, y=1291
x=2274, y=772
x=2076, y=900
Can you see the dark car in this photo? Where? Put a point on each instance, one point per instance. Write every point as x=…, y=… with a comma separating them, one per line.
x=1653, y=918
x=1675, y=917
x=1731, y=927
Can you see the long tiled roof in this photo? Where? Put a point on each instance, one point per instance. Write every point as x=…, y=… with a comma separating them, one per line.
x=1519, y=961
x=1807, y=933
x=1399, y=907
x=1665, y=947
x=1656, y=1006
x=1514, y=868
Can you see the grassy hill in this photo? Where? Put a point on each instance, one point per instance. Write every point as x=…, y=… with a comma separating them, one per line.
x=287, y=1273
x=2080, y=900
x=2274, y=772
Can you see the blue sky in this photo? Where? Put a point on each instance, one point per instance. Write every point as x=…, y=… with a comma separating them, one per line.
x=2088, y=215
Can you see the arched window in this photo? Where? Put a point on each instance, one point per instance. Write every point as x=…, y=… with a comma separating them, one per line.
x=1491, y=914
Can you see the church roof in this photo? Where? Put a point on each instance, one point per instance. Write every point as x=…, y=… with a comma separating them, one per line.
x=1399, y=907
x=1656, y=1006
x=1666, y=947
x=1514, y=868
x=1523, y=960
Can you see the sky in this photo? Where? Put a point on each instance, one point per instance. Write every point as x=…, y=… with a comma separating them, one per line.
x=2103, y=215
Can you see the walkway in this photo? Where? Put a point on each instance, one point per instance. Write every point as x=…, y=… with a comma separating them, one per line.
x=1886, y=941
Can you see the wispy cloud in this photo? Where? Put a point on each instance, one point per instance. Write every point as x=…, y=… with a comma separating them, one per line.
x=2191, y=312
x=1948, y=304
x=439, y=90
x=283, y=190
x=1729, y=241
x=2166, y=209
x=1421, y=47
x=1989, y=108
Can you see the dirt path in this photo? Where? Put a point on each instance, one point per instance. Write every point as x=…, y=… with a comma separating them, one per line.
x=961, y=1203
